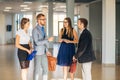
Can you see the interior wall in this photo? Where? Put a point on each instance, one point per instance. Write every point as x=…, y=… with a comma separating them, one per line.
x=95, y=26
x=5, y=36
x=84, y=11
x=2, y=28
x=8, y=34
x=95, y=20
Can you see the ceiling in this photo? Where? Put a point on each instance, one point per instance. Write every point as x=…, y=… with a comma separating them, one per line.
x=18, y=6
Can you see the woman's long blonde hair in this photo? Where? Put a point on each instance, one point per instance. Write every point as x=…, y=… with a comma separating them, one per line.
x=70, y=29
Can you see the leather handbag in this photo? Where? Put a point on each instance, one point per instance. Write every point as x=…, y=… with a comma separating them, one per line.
x=31, y=56
x=51, y=63
x=73, y=67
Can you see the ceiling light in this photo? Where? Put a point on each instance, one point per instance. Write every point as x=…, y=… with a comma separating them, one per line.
x=62, y=6
x=23, y=10
x=6, y=10
x=27, y=8
x=28, y=2
x=43, y=6
x=53, y=2
x=8, y=7
x=23, y=5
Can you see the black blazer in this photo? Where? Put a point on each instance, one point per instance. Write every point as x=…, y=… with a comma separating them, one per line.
x=85, y=51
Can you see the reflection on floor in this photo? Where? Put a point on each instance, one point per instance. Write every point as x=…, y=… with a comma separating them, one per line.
x=67, y=79
x=10, y=69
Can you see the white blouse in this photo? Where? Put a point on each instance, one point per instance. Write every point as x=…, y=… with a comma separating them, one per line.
x=24, y=37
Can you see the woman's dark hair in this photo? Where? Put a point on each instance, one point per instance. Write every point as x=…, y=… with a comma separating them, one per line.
x=84, y=21
x=23, y=22
x=70, y=29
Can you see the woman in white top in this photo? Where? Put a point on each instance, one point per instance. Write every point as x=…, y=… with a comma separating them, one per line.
x=24, y=47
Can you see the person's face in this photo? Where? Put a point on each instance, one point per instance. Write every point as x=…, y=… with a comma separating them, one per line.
x=65, y=23
x=80, y=25
x=41, y=20
x=27, y=25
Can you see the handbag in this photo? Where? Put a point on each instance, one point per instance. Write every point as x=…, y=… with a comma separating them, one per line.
x=51, y=63
x=73, y=67
x=31, y=56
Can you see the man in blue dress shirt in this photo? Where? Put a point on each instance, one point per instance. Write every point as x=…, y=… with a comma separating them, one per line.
x=41, y=46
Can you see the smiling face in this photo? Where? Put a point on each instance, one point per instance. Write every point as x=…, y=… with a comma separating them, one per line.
x=41, y=20
x=80, y=25
x=27, y=25
x=65, y=23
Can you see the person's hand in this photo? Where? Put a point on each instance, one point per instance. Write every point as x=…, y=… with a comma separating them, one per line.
x=29, y=51
x=50, y=39
x=74, y=59
x=48, y=53
x=61, y=40
x=32, y=49
x=67, y=41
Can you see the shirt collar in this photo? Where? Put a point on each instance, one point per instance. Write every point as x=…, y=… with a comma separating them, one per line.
x=39, y=26
x=82, y=31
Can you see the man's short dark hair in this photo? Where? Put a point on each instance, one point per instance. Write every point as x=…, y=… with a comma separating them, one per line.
x=39, y=15
x=84, y=21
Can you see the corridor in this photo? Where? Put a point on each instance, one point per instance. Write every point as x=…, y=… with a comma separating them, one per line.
x=10, y=69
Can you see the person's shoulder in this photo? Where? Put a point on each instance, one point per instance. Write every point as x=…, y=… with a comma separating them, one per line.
x=34, y=31
x=86, y=30
x=88, y=33
x=20, y=31
x=74, y=30
x=62, y=29
x=35, y=28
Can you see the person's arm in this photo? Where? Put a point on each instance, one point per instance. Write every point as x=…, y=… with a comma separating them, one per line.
x=82, y=46
x=30, y=45
x=48, y=53
x=19, y=46
x=60, y=36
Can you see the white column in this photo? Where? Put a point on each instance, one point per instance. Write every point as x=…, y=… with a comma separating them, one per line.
x=2, y=28
x=108, y=32
x=13, y=26
x=34, y=19
x=70, y=10
x=50, y=20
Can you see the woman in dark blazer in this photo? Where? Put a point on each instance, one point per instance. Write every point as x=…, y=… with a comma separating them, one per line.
x=85, y=54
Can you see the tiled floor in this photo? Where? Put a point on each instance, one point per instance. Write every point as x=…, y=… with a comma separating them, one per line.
x=10, y=70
